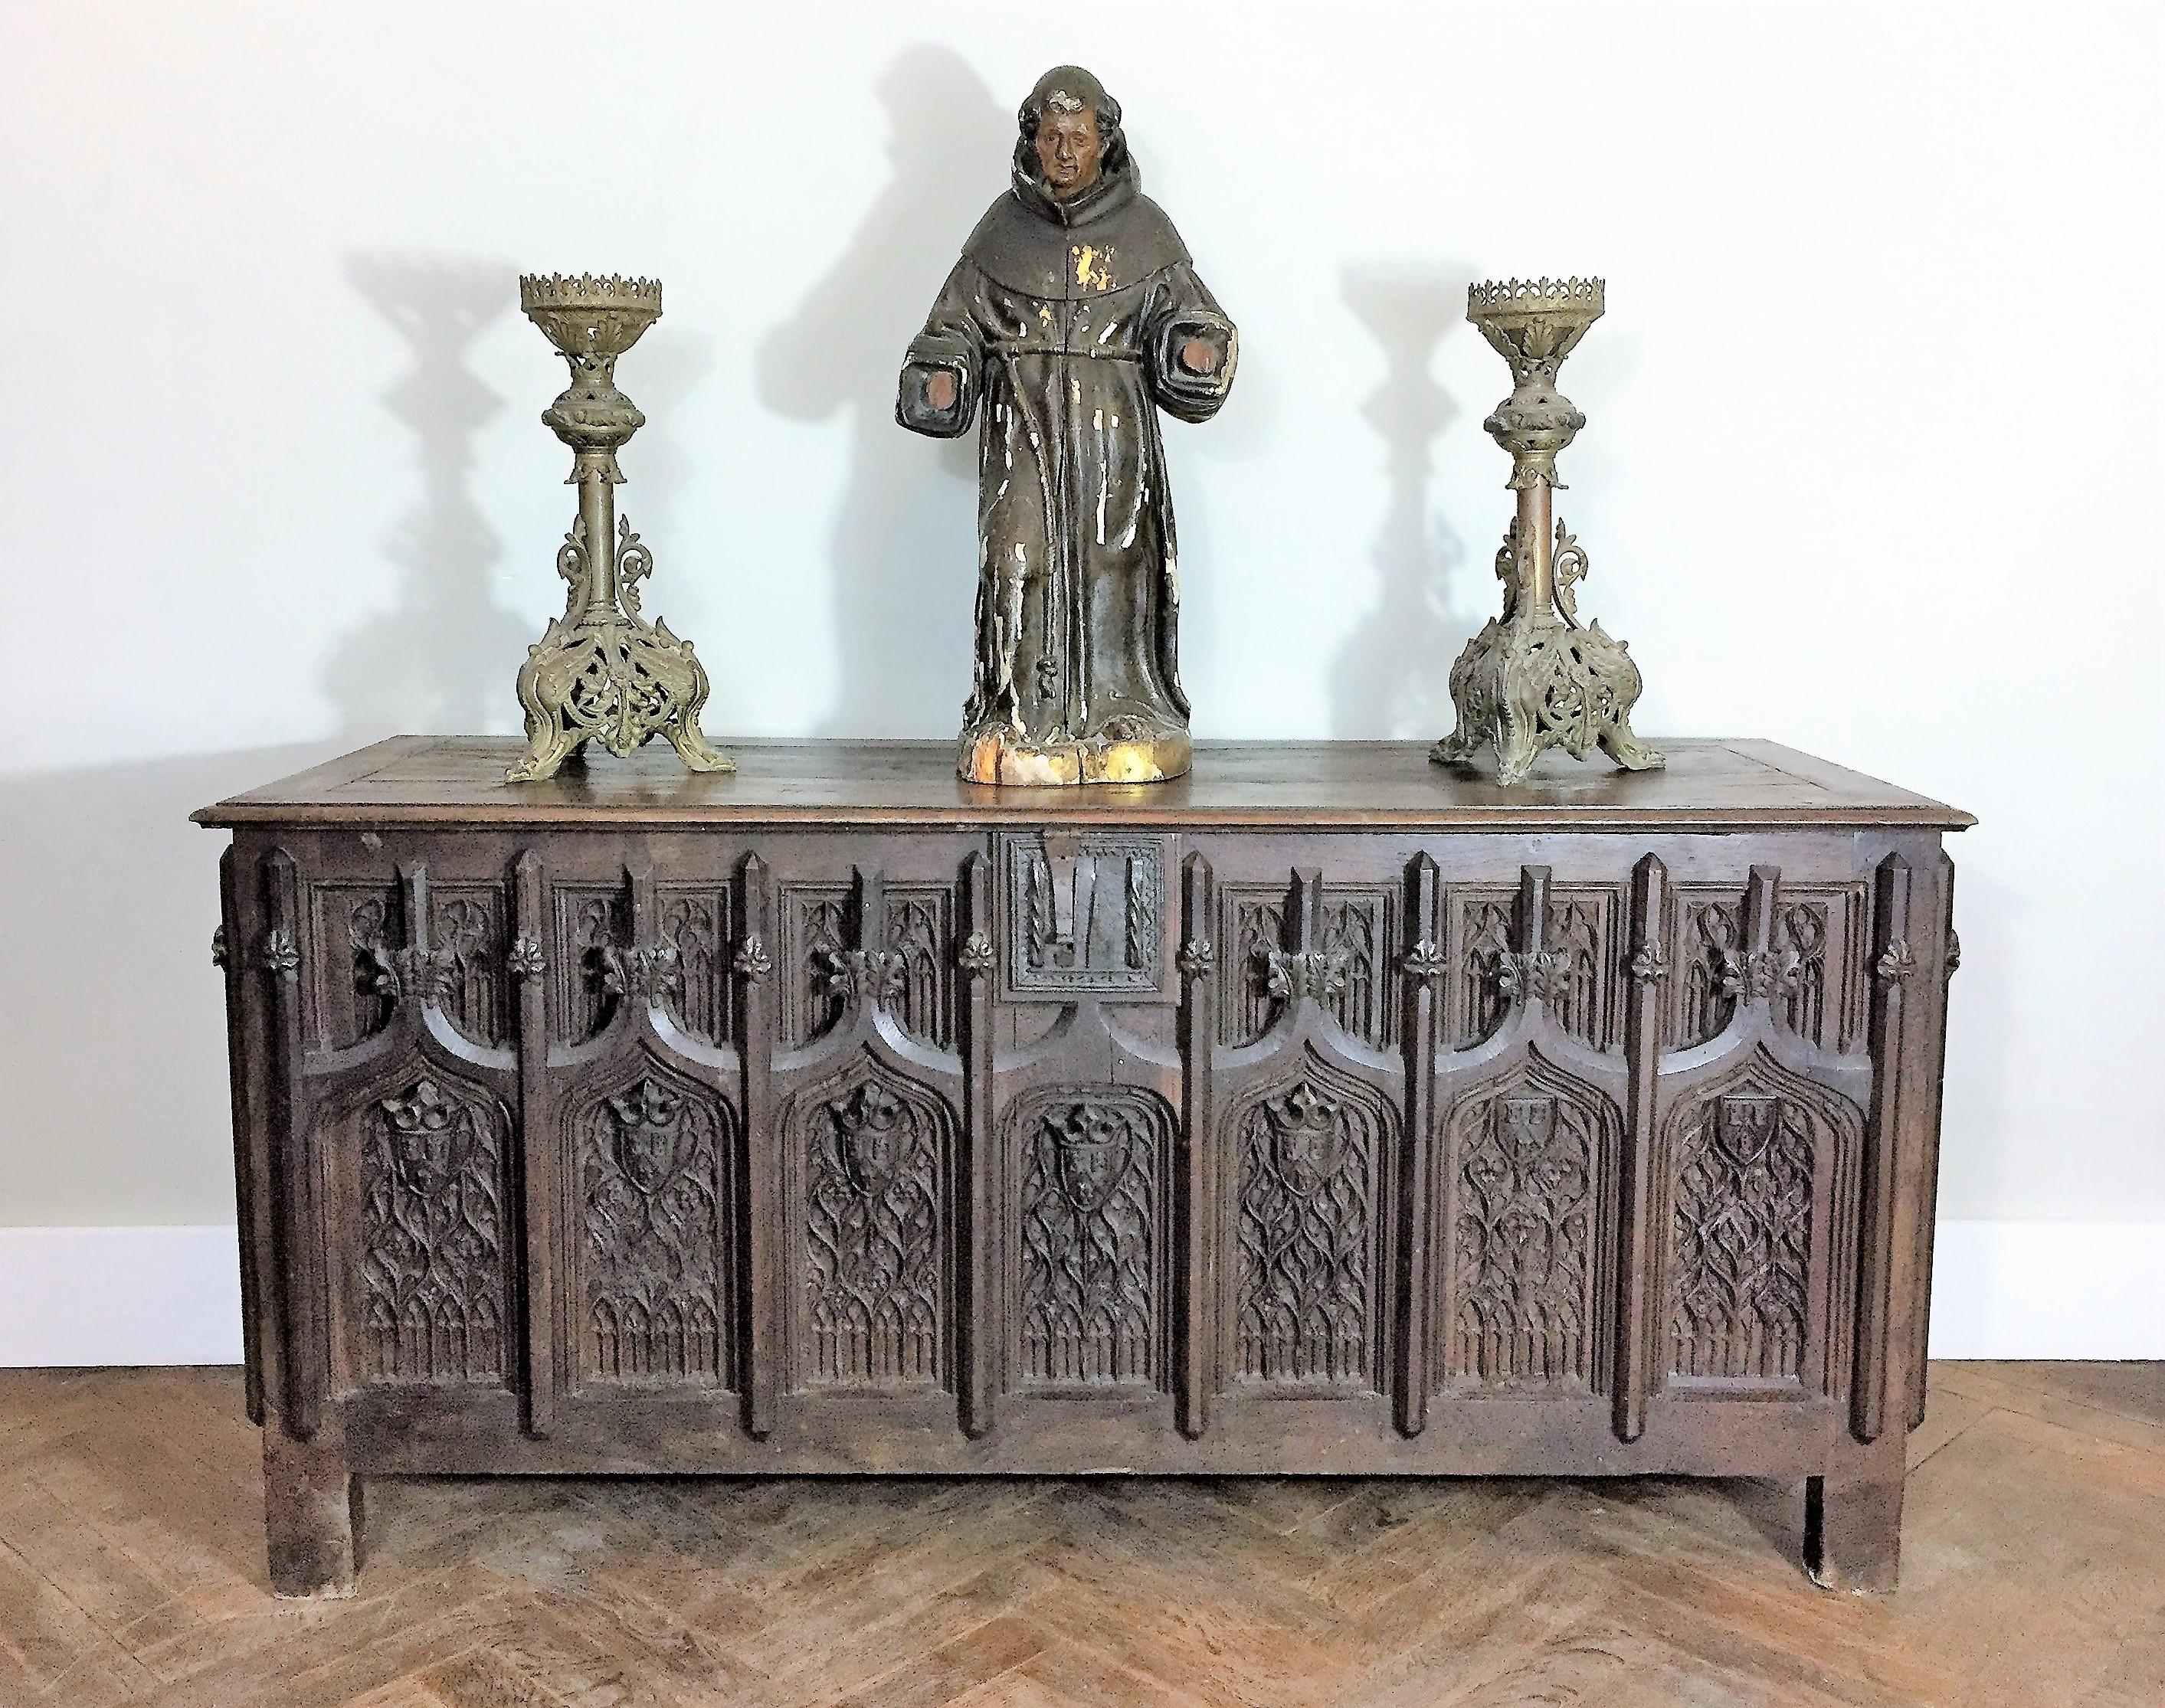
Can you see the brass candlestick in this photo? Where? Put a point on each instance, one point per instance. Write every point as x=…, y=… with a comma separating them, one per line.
x=1535, y=679
x=602, y=672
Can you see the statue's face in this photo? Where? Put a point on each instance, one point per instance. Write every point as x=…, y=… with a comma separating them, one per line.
x=1068, y=152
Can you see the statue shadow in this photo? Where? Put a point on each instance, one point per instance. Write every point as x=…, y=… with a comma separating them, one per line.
x=443, y=657
x=1391, y=677
x=903, y=547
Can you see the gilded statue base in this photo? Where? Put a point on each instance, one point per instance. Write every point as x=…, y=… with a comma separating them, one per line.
x=998, y=755
x=1528, y=686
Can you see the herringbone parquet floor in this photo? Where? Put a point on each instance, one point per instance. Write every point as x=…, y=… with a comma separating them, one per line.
x=131, y=1571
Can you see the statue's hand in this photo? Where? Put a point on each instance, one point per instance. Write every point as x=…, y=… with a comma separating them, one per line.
x=940, y=389
x=1200, y=355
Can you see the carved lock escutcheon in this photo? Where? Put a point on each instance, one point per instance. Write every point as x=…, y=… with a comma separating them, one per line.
x=1084, y=914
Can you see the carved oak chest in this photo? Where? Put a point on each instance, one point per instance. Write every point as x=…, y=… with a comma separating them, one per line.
x=1320, y=1111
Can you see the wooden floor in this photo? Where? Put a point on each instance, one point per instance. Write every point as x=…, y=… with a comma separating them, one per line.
x=131, y=1570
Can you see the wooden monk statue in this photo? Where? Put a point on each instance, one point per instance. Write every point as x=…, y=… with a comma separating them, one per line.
x=1072, y=320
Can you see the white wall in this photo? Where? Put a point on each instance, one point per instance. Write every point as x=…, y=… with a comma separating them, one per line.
x=1876, y=400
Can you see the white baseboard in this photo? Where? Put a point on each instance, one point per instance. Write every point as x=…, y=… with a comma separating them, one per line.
x=172, y=1296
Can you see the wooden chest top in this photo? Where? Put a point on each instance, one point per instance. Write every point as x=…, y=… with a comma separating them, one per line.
x=1710, y=785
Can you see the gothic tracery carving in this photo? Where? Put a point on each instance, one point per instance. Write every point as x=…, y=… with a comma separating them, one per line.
x=1752, y=1160
x=1530, y=1155
x=875, y=1226
x=1310, y=1159
x=430, y=1247
x=654, y=1225
x=1091, y=1162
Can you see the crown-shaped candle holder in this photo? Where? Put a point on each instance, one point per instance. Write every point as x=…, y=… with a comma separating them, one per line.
x=1535, y=678
x=602, y=672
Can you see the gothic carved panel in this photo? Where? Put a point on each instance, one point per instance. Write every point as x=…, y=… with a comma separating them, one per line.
x=1582, y=927
x=1085, y=915
x=1253, y=926
x=353, y=925
x=1310, y=1158
x=920, y=928
x=591, y=919
x=1530, y=1157
x=468, y=929
x=1480, y=924
x=1816, y=966
x=1360, y=933
x=1093, y=1162
x=815, y=926
x=694, y=920
x=875, y=1156
x=1754, y=1162
x=655, y=1225
x=431, y=1293
x=818, y=926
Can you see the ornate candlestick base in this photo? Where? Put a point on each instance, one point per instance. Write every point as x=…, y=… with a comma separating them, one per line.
x=601, y=672
x=1535, y=678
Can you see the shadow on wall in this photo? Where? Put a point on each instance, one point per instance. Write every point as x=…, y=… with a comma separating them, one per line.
x=112, y=1019
x=904, y=543
x=444, y=657
x=1392, y=677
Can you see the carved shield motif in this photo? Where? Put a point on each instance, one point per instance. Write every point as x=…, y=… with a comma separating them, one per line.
x=869, y=1136
x=650, y=1124
x=1090, y=1151
x=1744, y=1128
x=428, y=1138
x=1307, y=1139
x=1746, y=1125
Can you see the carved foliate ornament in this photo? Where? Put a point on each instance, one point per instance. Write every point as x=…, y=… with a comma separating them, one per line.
x=752, y=961
x=1527, y=1156
x=1427, y=961
x=218, y=952
x=1540, y=977
x=1317, y=974
x=1897, y=963
x=647, y=973
x=1198, y=957
x=1648, y=964
x=1773, y=973
x=976, y=957
x=862, y=976
x=281, y=956
x=526, y=961
x=1306, y=1281
x=1089, y=1232
x=1954, y=950
x=425, y=975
